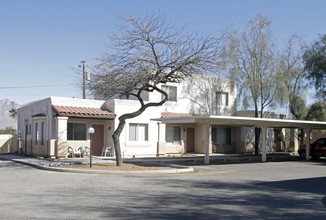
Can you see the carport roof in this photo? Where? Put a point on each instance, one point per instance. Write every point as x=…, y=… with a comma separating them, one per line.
x=243, y=121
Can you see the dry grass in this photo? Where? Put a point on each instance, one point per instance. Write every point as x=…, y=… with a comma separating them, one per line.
x=113, y=167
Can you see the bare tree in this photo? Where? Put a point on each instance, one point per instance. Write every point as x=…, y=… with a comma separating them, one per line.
x=252, y=59
x=146, y=52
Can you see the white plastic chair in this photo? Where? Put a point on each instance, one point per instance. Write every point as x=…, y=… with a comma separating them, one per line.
x=105, y=150
x=77, y=152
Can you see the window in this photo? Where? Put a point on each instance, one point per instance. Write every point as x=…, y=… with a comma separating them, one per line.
x=171, y=91
x=172, y=135
x=320, y=142
x=138, y=132
x=36, y=135
x=222, y=99
x=76, y=131
x=221, y=136
x=42, y=133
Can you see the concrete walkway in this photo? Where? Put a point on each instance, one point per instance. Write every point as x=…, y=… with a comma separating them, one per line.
x=186, y=163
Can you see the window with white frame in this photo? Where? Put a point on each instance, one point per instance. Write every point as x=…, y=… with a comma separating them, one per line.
x=138, y=132
x=76, y=131
x=221, y=136
x=222, y=99
x=171, y=91
x=172, y=135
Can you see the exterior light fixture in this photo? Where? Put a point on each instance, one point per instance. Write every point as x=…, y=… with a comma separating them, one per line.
x=91, y=131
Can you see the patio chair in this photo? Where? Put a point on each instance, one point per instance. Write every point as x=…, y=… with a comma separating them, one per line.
x=84, y=151
x=77, y=152
x=105, y=150
x=71, y=151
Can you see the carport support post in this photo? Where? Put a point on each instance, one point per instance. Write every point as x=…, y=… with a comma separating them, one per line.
x=207, y=139
x=263, y=156
x=307, y=143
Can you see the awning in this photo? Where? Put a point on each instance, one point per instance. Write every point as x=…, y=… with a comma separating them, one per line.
x=242, y=121
x=83, y=112
x=39, y=115
x=236, y=121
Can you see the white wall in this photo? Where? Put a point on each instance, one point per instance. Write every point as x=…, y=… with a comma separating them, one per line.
x=198, y=95
x=61, y=101
x=5, y=143
x=189, y=100
x=195, y=95
x=26, y=112
x=55, y=128
x=130, y=148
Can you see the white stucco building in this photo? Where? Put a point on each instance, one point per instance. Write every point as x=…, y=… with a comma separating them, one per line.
x=199, y=117
x=49, y=126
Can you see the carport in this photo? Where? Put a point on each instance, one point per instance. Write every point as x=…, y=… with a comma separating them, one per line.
x=262, y=123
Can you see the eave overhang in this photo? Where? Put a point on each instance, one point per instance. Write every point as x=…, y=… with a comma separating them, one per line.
x=244, y=122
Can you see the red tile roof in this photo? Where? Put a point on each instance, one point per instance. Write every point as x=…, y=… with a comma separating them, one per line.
x=177, y=115
x=83, y=112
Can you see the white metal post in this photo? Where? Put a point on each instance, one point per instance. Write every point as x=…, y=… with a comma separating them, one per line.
x=207, y=140
x=307, y=143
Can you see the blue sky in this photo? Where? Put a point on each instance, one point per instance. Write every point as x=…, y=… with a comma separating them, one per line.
x=42, y=40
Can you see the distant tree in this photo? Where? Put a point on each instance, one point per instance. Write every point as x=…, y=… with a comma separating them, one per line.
x=253, y=65
x=147, y=52
x=8, y=130
x=315, y=112
x=315, y=64
x=292, y=71
x=13, y=113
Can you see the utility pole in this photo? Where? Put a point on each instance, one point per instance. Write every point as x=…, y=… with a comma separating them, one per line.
x=84, y=79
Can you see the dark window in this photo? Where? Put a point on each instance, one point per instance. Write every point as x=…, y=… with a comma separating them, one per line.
x=320, y=142
x=76, y=131
x=173, y=135
x=42, y=133
x=221, y=136
x=171, y=91
x=36, y=135
x=222, y=99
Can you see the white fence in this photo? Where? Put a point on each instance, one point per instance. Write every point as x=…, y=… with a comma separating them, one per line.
x=8, y=143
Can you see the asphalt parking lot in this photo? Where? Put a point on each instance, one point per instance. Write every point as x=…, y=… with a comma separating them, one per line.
x=272, y=190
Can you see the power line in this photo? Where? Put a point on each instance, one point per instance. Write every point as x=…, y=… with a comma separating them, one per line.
x=35, y=86
x=34, y=65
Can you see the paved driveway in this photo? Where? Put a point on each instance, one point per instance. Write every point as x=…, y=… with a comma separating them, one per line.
x=282, y=190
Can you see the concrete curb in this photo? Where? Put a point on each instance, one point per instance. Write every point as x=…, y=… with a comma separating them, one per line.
x=179, y=169
x=173, y=168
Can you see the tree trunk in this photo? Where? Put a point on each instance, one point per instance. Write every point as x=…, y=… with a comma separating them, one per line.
x=257, y=133
x=257, y=136
x=301, y=136
x=116, y=141
x=123, y=118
